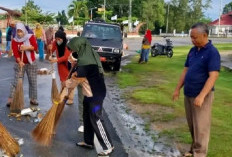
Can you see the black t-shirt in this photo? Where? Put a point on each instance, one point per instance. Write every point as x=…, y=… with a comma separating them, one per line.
x=96, y=79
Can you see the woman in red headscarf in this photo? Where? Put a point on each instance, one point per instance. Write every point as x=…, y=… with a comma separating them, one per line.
x=146, y=45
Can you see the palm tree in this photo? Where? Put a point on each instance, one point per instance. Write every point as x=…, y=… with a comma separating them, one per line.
x=78, y=9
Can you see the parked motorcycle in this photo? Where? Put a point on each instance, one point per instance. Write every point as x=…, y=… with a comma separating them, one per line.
x=159, y=49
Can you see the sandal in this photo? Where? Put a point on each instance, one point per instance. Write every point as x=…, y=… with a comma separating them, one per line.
x=188, y=154
x=106, y=152
x=69, y=102
x=85, y=145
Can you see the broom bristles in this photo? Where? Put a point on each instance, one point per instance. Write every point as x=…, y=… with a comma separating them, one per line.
x=18, y=98
x=44, y=130
x=8, y=143
x=60, y=107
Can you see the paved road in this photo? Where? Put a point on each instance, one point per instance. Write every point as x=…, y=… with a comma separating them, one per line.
x=64, y=141
x=135, y=43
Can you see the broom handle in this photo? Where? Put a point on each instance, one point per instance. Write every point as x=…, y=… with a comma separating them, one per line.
x=21, y=68
x=69, y=76
x=52, y=65
x=71, y=70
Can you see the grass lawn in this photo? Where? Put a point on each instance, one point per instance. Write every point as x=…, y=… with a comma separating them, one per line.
x=150, y=89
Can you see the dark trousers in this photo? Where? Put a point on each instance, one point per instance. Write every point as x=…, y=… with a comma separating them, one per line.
x=93, y=122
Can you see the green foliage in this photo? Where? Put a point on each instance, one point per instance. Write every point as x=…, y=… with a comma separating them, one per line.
x=2, y=17
x=177, y=15
x=33, y=14
x=153, y=11
x=153, y=83
x=227, y=8
x=181, y=16
x=62, y=18
x=108, y=14
x=205, y=20
x=184, y=13
x=79, y=11
x=181, y=134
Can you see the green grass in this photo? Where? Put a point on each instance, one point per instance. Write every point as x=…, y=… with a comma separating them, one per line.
x=154, y=83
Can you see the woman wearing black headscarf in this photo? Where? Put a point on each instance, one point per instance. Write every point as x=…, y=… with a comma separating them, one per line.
x=89, y=66
x=62, y=55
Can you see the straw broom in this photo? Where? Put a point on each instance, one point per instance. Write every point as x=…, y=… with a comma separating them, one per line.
x=8, y=143
x=44, y=130
x=63, y=100
x=18, y=97
x=61, y=105
x=86, y=90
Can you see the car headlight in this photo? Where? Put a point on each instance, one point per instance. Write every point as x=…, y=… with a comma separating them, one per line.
x=116, y=50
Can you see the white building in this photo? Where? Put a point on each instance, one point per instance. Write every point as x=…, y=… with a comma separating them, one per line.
x=222, y=27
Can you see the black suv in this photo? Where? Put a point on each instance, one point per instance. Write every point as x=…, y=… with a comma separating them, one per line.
x=106, y=39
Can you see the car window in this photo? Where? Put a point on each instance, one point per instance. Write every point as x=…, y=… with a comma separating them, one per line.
x=104, y=32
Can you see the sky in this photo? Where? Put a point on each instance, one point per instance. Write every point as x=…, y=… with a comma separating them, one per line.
x=57, y=5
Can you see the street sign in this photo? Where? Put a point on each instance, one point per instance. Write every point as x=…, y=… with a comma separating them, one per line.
x=101, y=9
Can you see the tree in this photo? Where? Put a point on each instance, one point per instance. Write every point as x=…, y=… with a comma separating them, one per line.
x=153, y=12
x=227, y=8
x=184, y=13
x=79, y=11
x=34, y=14
x=197, y=8
x=61, y=18
x=177, y=15
x=3, y=16
x=108, y=14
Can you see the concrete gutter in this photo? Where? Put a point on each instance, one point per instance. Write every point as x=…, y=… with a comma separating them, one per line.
x=226, y=60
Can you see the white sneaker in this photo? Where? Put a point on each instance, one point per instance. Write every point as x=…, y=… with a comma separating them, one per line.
x=81, y=128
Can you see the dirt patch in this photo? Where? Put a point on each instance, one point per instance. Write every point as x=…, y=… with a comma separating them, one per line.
x=173, y=124
x=160, y=117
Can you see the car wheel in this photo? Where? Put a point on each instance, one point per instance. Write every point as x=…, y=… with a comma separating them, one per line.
x=169, y=53
x=117, y=65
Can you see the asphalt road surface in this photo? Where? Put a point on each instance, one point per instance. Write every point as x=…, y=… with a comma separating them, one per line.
x=66, y=134
x=135, y=43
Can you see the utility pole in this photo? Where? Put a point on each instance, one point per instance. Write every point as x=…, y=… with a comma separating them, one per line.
x=129, y=18
x=167, y=19
x=91, y=13
x=104, y=9
x=219, y=20
x=26, y=12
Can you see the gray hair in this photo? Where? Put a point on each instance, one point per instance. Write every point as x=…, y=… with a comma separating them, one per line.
x=202, y=27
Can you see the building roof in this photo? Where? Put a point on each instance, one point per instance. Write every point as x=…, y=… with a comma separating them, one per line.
x=226, y=19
